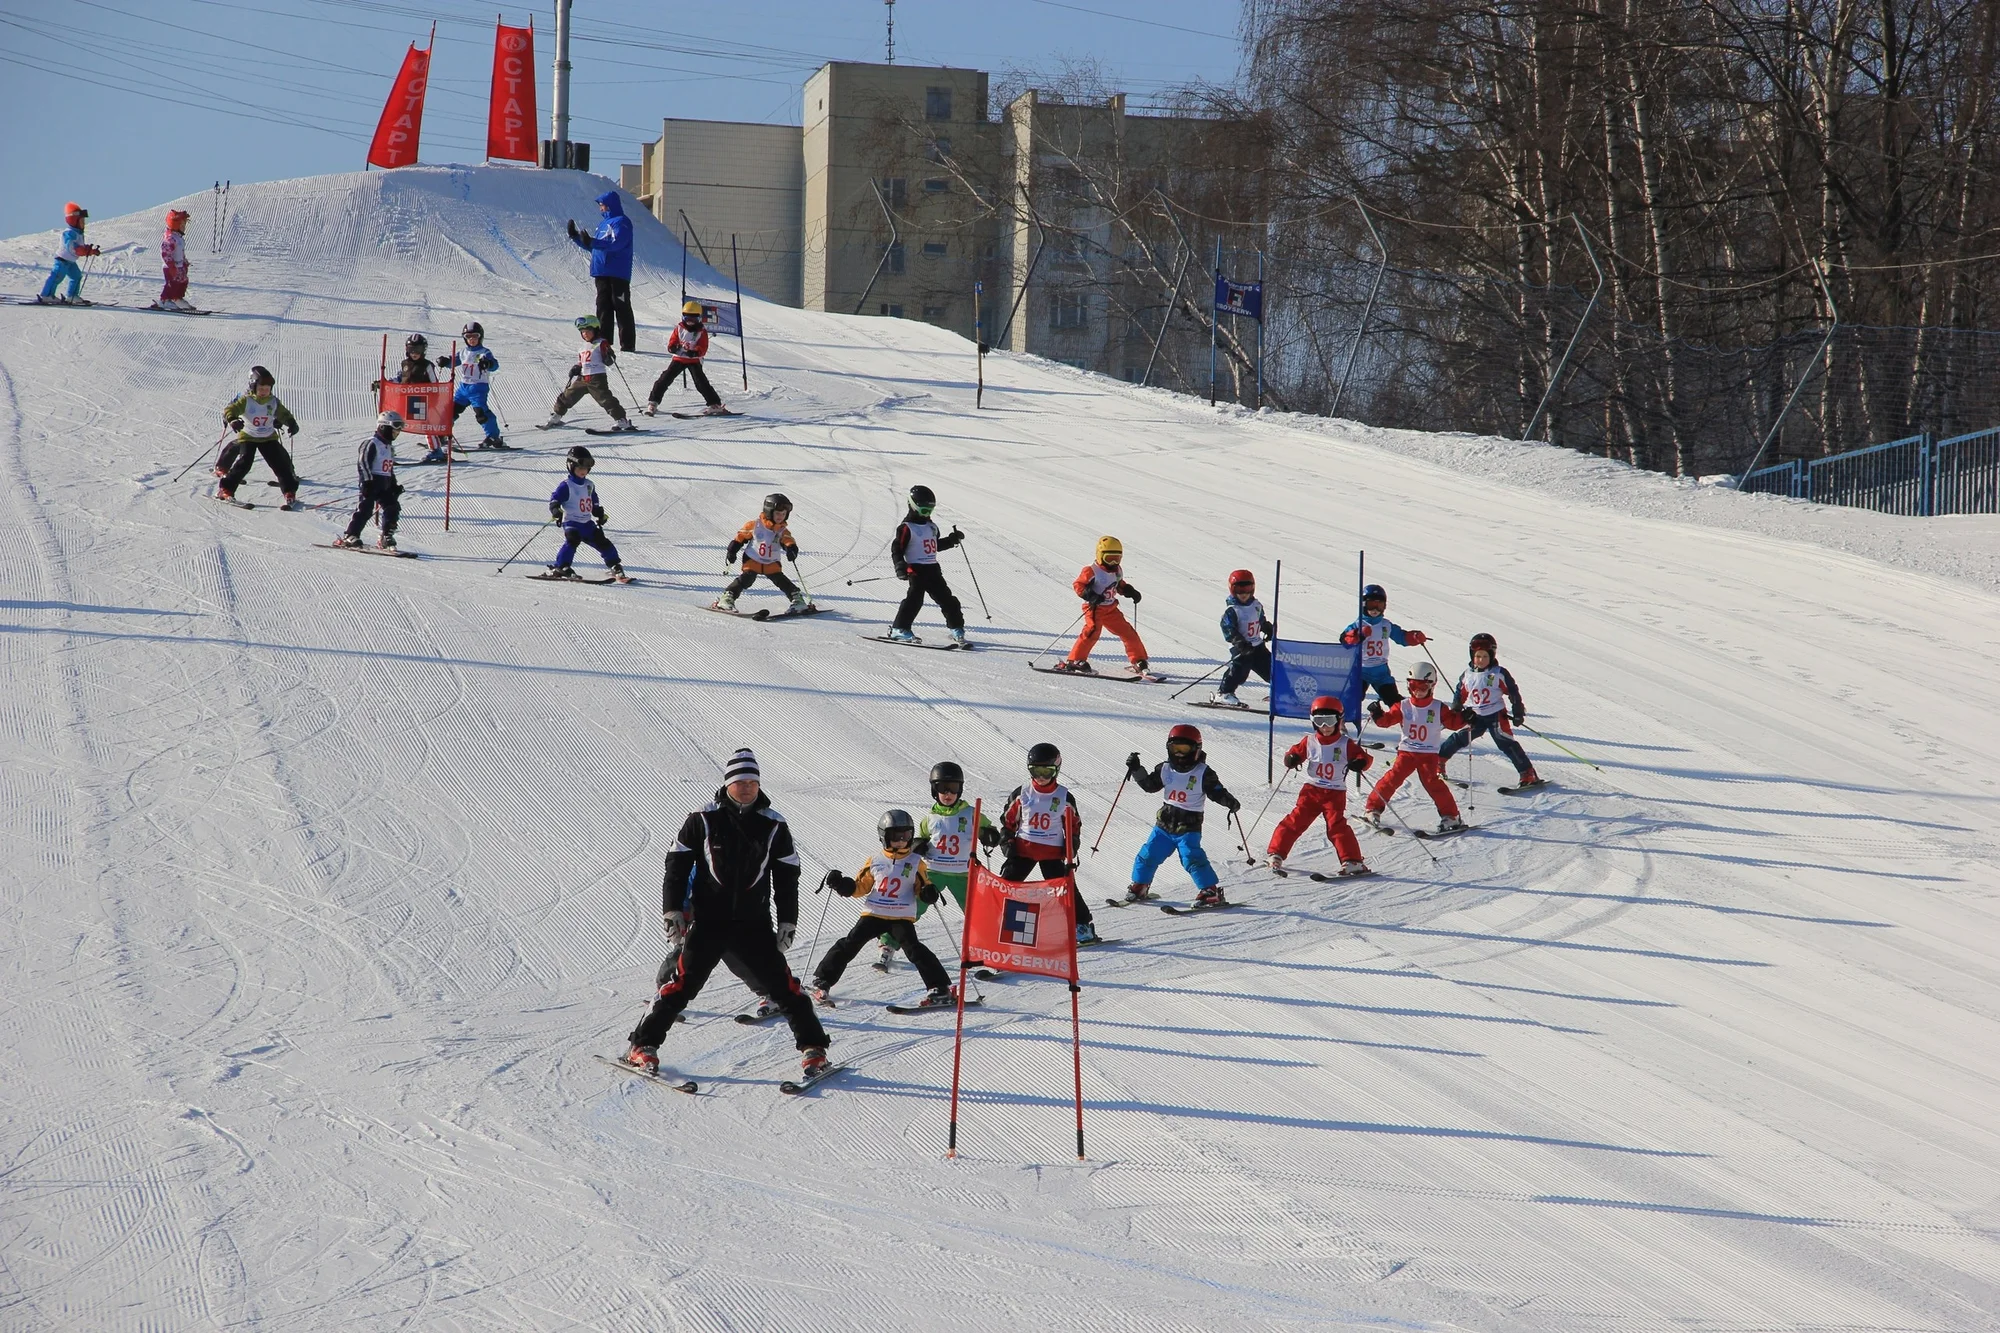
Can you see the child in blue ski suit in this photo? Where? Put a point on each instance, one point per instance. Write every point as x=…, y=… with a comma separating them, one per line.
x=1248, y=632
x=1375, y=632
x=71, y=248
x=1187, y=784
x=574, y=505
x=475, y=366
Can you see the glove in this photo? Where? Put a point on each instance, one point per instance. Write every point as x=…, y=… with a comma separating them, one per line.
x=235, y=423
x=601, y=518
x=1416, y=636
x=1131, y=592
x=929, y=893
x=1234, y=806
x=1294, y=760
x=955, y=534
x=488, y=363
x=787, y=932
x=839, y=883
x=575, y=372
x=374, y=386
x=903, y=572
x=574, y=235
x=1518, y=716
x=676, y=924
x=1132, y=764
x=1361, y=763
x=1092, y=599
x=444, y=361
x=989, y=837
x=922, y=847
x=730, y=552
x=555, y=514
x=792, y=554
x=1375, y=710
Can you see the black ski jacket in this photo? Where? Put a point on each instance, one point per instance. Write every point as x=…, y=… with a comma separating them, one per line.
x=731, y=864
x=1172, y=819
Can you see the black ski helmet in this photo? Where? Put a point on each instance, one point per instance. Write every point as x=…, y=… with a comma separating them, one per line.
x=579, y=457
x=922, y=499
x=775, y=501
x=1374, y=592
x=897, y=826
x=415, y=343
x=1044, y=755
x=259, y=375
x=472, y=330
x=947, y=774
x=1483, y=641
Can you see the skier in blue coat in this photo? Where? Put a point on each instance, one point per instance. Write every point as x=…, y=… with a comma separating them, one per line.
x=610, y=249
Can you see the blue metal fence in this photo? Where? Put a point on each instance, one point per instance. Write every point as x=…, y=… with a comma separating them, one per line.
x=1913, y=476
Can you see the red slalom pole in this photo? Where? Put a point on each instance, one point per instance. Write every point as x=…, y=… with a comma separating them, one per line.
x=958, y=1038
x=450, y=445
x=1076, y=1050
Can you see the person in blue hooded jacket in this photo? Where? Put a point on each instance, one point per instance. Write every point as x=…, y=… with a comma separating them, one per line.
x=610, y=249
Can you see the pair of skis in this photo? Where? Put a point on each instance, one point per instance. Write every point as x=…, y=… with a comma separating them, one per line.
x=1135, y=677
x=919, y=643
x=765, y=613
x=791, y=1087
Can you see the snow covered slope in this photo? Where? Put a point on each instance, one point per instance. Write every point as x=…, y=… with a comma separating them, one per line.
x=325, y=875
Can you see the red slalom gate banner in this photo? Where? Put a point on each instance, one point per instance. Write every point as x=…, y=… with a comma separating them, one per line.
x=402, y=124
x=510, y=117
x=1019, y=926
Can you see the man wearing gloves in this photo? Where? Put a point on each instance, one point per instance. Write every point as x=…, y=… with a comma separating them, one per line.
x=610, y=249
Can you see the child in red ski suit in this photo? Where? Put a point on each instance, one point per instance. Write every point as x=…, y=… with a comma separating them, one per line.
x=174, y=262
x=1328, y=754
x=1425, y=722
x=1098, y=585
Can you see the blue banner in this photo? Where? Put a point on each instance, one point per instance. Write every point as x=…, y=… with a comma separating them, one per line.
x=1301, y=672
x=724, y=317
x=1239, y=298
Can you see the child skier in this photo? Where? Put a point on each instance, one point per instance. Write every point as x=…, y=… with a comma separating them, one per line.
x=1375, y=633
x=893, y=882
x=1248, y=631
x=687, y=344
x=1486, y=693
x=257, y=417
x=761, y=542
x=1424, y=721
x=475, y=369
x=1328, y=754
x=376, y=463
x=944, y=839
x=69, y=249
x=1040, y=829
x=575, y=506
x=914, y=550
x=591, y=375
x=174, y=263
x=1188, y=784
x=1099, y=584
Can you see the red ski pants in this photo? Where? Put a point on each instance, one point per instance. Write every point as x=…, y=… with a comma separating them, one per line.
x=1329, y=803
x=1429, y=769
x=176, y=288
x=1098, y=619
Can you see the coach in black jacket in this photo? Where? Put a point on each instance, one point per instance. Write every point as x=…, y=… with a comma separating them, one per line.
x=733, y=859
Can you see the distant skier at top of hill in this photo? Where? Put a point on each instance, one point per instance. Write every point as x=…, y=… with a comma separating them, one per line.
x=610, y=249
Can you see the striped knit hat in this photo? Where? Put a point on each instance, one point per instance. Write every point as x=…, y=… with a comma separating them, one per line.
x=742, y=764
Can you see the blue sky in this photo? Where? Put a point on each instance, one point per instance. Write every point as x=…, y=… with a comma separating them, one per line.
x=124, y=104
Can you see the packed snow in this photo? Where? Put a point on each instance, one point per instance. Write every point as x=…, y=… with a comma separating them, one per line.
x=328, y=875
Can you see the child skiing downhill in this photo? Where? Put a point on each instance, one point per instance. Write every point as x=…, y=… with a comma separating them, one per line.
x=70, y=248
x=1187, y=784
x=1248, y=631
x=1327, y=754
x=732, y=864
x=376, y=462
x=174, y=263
x=914, y=550
x=1486, y=693
x=1374, y=632
x=591, y=375
x=1040, y=829
x=475, y=367
x=1424, y=721
x=944, y=839
x=1099, y=584
x=687, y=344
x=257, y=417
x=575, y=506
x=761, y=542
x=893, y=882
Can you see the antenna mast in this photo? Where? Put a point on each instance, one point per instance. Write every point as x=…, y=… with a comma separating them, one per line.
x=891, y=5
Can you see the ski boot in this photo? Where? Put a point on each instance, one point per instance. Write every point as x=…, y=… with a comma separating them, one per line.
x=715, y=410
x=899, y=635
x=498, y=442
x=645, y=1059
x=1139, y=893
x=1086, y=933
x=766, y=1008
x=386, y=542
x=1530, y=780
x=567, y=572
x=801, y=604
x=1350, y=869
x=651, y=409
x=225, y=493
x=1070, y=668
x=1211, y=897
x=1373, y=819
x=618, y=574
x=1276, y=864
x=348, y=540
x=941, y=998
x=821, y=994
x=623, y=424
x=555, y=420
x=813, y=1062
x=886, y=958
x=1141, y=666
x=291, y=503
x=958, y=637
x=726, y=602
x=1450, y=824
x=1227, y=698
x=436, y=455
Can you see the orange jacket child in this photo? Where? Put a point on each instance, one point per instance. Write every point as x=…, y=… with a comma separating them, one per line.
x=761, y=542
x=1099, y=584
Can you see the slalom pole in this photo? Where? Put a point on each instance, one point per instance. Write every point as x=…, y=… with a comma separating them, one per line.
x=203, y=454
x=1196, y=681
x=1560, y=746
x=1112, y=811
x=975, y=581
x=1059, y=634
x=965, y=933
x=1275, y=789
x=524, y=546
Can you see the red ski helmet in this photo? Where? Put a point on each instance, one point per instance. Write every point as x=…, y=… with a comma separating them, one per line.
x=1242, y=580
x=177, y=219
x=1327, y=706
x=73, y=212
x=1483, y=642
x=1185, y=732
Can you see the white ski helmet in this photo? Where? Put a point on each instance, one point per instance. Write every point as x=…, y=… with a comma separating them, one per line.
x=1423, y=671
x=392, y=420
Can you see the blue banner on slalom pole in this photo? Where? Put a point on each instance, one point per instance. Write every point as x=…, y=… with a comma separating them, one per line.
x=723, y=317
x=1239, y=298
x=1301, y=672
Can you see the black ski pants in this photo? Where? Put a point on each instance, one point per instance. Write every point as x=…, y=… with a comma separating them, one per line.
x=378, y=493
x=929, y=579
x=873, y=927
x=696, y=376
x=729, y=960
x=756, y=946
x=1016, y=868
x=240, y=453
x=742, y=581
x=1240, y=666
x=614, y=310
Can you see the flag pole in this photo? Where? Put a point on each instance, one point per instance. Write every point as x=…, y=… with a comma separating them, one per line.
x=965, y=940
x=742, y=339
x=1271, y=738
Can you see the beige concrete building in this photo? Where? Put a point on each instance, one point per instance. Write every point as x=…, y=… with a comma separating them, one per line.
x=717, y=178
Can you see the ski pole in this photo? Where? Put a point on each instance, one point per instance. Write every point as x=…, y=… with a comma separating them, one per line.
x=1560, y=746
x=975, y=582
x=334, y=501
x=627, y=383
x=1406, y=826
x=524, y=546
x=802, y=579
x=1196, y=681
x=494, y=403
x=1059, y=634
x=203, y=454
x=1242, y=838
x=879, y=578
x=1287, y=777
x=1112, y=811
x=813, y=952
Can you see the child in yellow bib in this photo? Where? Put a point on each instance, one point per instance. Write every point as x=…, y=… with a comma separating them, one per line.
x=891, y=885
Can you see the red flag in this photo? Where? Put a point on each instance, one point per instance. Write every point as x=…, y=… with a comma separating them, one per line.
x=1021, y=927
x=402, y=122
x=510, y=118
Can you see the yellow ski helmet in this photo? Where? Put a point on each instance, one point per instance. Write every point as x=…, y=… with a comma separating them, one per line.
x=1109, y=550
x=692, y=308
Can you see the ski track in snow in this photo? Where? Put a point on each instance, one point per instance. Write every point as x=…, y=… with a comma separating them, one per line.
x=327, y=874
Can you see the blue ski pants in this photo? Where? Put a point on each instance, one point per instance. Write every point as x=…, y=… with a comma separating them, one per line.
x=582, y=534
x=1160, y=844
x=1494, y=725
x=64, y=268
x=1384, y=682
x=474, y=397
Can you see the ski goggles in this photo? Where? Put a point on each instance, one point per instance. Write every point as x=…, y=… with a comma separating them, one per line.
x=1044, y=772
x=923, y=511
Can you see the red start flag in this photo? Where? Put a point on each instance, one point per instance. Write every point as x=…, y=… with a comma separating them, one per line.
x=1014, y=926
x=510, y=118
x=402, y=123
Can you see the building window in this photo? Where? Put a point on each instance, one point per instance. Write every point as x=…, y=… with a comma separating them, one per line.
x=938, y=150
x=936, y=313
x=894, y=255
x=936, y=185
x=1066, y=310
x=1133, y=374
x=895, y=191
x=937, y=104
x=936, y=250
x=890, y=311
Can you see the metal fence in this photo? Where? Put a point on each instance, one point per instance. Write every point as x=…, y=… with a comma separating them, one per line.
x=1914, y=476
